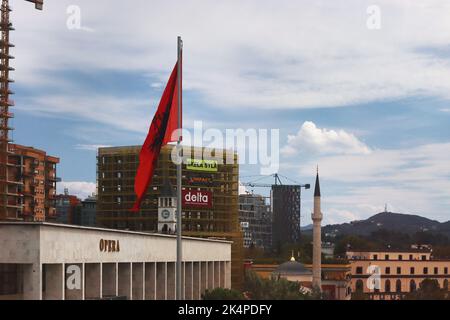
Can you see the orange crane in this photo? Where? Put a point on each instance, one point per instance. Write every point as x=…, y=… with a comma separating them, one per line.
x=5, y=102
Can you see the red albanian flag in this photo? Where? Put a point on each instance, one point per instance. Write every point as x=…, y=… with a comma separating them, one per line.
x=164, y=123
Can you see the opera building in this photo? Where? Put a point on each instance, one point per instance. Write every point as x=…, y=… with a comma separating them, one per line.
x=43, y=261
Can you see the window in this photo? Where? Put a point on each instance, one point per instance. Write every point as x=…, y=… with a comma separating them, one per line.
x=412, y=286
x=119, y=175
x=436, y=270
x=386, y=257
x=399, y=270
x=398, y=286
x=425, y=270
x=375, y=257
x=119, y=187
x=446, y=284
x=119, y=200
x=445, y=270
x=412, y=271
x=359, y=270
x=400, y=257
x=424, y=258
x=388, y=270
x=411, y=257
x=387, y=286
x=359, y=286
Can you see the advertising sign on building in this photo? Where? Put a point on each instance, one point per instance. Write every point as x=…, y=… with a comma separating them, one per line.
x=198, y=199
x=202, y=165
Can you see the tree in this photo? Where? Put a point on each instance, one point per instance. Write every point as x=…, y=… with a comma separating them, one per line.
x=273, y=289
x=222, y=294
x=429, y=289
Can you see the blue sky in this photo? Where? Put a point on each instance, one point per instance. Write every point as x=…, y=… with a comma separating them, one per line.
x=371, y=107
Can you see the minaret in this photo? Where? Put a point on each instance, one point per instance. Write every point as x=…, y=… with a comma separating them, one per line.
x=317, y=237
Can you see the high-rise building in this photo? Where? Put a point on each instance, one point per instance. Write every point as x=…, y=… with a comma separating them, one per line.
x=67, y=207
x=286, y=214
x=255, y=216
x=87, y=214
x=31, y=185
x=210, y=196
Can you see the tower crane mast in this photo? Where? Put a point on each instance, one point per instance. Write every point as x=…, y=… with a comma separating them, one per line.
x=5, y=104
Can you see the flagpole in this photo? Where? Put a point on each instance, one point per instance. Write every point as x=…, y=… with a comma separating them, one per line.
x=179, y=285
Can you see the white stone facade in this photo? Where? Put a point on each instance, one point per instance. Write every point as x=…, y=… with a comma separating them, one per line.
x=60, y=262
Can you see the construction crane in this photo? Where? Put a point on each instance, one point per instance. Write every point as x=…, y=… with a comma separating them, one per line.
x=5, y=102
x=277, y=181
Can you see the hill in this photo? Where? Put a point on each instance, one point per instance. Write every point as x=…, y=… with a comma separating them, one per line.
x=397, y=222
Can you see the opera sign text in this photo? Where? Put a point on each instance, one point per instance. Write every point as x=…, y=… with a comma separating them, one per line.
x=109, y=245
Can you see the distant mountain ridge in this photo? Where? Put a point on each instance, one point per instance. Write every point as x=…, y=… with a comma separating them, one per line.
x=399, y=222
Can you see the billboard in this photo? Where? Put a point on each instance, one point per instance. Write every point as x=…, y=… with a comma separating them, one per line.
x=197, y=199
x=202, y=165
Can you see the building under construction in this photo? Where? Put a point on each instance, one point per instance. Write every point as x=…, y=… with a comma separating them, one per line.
x=286, y=214
x=216, y=217
x=255, y=215
x=27, y=175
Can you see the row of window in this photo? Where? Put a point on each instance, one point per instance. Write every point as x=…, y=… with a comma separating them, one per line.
x=398, y=286
x=412, y=270
x=400, y=257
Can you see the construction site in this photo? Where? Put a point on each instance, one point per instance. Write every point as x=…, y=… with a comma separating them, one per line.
x=216, y=218
x=27, y=175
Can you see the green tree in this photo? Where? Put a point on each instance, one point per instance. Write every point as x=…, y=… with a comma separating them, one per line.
x=429, y=289
x=222, y=294
x=258, y=288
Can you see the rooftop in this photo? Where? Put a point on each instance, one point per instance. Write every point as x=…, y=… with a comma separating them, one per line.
x=67, y=226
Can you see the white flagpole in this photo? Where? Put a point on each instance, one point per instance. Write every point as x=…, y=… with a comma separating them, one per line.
x=179, y=285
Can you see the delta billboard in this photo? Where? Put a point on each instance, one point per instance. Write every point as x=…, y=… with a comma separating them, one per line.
x=197, y=199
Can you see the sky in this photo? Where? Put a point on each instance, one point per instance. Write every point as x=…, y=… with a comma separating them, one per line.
x=362, y=92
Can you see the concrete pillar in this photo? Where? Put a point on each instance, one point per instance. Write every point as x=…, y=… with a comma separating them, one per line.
x=93, y=281
x=109, y=280
x=210, y=275
x=188, y=281
x=222, y=274
x=216, y=274
x=53, y=282
x=125, y=283
x=138, y=281
x=228, y=274
x=196, y=278
x=74, y=279
x=171, y=285
x=161, y=281
x=32, y=279
x=203, y=277
x=150, y=281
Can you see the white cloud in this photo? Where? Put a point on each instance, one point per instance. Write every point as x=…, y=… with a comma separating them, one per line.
x=312, y=140
x=295, y=54
x=445, y=110
x=81, y=189
x=90, y=147
x=411, y=180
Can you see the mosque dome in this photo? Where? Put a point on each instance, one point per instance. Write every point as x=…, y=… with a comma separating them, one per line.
x=292, y=268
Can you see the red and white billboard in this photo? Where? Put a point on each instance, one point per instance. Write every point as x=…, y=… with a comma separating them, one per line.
x=196, y=198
